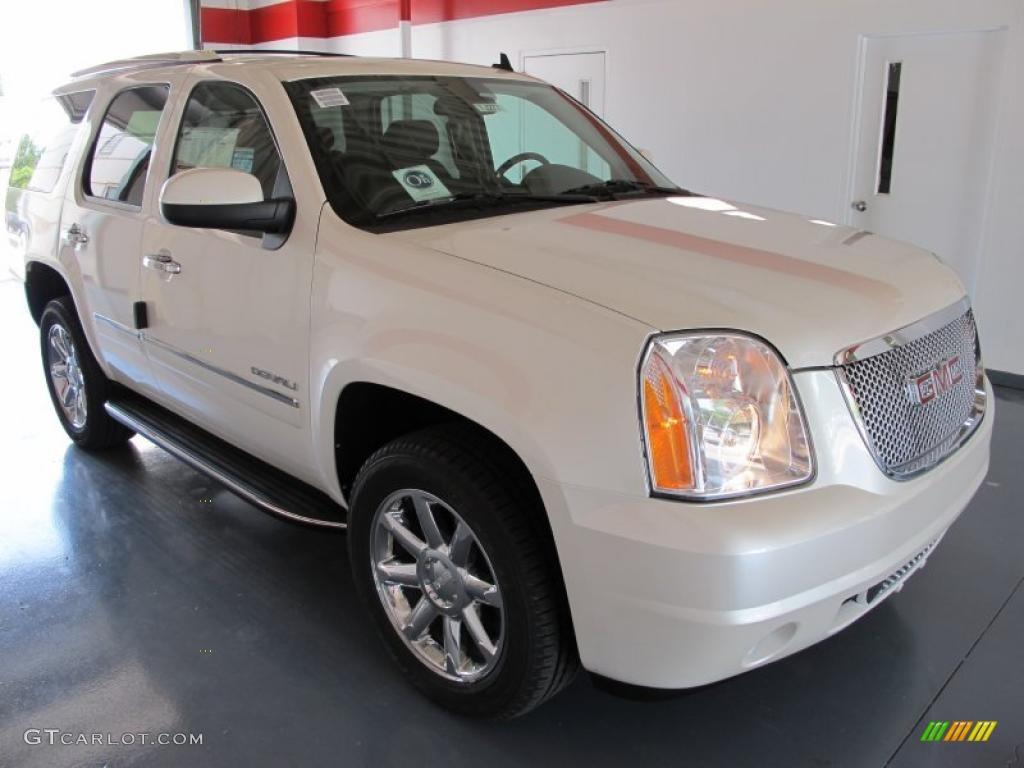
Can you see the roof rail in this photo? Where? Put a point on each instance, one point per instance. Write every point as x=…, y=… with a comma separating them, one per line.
x=149, y=61
x=282, y=51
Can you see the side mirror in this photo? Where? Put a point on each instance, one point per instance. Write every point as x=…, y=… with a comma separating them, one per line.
x=223, y=198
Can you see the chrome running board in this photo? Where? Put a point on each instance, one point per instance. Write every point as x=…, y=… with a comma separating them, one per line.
x=259, y=483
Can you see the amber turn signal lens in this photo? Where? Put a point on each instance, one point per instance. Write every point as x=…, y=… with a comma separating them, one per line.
x=667, y=440
x=721, y=417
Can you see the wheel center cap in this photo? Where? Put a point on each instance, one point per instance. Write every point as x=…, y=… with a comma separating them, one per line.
x=440, y=580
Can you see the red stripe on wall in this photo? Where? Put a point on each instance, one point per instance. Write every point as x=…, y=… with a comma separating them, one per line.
x=274, y=22
x=429, y=11
x=336, y=18
x=350, y=17
x=224, y=25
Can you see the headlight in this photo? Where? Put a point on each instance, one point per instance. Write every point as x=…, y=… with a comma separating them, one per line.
x=720, y=417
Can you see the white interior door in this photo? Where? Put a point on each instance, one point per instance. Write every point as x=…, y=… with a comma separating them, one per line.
x=924, y=141
x=581, y=75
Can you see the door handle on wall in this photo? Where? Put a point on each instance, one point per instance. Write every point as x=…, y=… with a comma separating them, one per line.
x=75, y=236
x=161, y=262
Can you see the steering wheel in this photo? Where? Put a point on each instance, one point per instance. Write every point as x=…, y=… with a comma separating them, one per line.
x=522, y=157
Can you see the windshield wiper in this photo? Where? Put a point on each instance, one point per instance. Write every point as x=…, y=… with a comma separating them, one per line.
x=463, y=200
x=616, y=187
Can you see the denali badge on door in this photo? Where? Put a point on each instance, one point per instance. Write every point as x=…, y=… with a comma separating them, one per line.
x=274, y=378
x=925, y=387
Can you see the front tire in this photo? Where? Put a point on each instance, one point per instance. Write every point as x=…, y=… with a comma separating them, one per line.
x=454, y=570
x=78, y=387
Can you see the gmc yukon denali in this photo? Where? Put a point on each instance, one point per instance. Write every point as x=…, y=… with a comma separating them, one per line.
x=569, y=413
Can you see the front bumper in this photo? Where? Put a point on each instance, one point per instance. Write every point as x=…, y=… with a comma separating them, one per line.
x=667, y=594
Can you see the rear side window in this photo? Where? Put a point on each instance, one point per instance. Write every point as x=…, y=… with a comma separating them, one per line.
x=42, y=151
x=223, y=127
x=119, y=162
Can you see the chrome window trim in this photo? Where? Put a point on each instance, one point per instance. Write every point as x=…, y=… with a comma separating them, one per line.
x=893, y=340
x=115, y=205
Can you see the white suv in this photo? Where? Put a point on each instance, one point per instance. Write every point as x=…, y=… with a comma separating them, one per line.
x=569, y=413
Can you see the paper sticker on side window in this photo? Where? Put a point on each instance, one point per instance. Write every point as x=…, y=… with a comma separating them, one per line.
x=209, y=147
x=242, y=158
x=329, y=97
x=143, y=123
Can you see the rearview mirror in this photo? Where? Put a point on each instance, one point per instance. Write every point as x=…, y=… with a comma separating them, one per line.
x=223, y=198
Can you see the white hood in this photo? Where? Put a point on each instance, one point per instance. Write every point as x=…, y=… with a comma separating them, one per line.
x=808, y=287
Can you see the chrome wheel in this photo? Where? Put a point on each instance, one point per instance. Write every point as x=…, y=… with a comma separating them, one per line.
x=437, y=585
x=66, y=375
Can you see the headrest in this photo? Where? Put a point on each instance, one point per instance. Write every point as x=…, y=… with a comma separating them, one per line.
x=325, y=136
x=411, y=141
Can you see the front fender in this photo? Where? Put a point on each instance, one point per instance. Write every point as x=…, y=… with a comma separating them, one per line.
x=552, y=375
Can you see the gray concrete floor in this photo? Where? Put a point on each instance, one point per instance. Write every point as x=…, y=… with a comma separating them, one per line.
x=138, y=596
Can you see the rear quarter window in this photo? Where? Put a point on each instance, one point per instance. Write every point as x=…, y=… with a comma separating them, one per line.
x=43, y=149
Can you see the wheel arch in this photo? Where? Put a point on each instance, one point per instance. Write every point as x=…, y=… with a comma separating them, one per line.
x=369, y=415
x=43, y=284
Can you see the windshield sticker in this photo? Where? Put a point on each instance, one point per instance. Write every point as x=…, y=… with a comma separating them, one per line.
x=329, y=97
x=488, y=107
x=421, y=183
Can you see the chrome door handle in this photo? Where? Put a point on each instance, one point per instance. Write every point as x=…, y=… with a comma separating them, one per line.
x=75, y=236
x=859, y=206
x=162, y=262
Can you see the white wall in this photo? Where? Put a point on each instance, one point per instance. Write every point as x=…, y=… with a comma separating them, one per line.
x=43, y=42
x=754, y=101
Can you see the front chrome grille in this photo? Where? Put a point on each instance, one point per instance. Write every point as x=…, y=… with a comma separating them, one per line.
x=905, y=436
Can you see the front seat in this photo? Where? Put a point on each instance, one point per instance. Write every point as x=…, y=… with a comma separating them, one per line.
x=414, y=142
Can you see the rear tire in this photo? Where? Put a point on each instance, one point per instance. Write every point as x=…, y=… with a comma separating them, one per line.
x=78, y=387
x=487, y=632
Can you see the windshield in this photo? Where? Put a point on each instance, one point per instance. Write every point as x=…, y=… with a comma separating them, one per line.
x=396, y=152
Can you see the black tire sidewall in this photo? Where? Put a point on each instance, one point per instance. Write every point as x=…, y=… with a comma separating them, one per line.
x=485, y=697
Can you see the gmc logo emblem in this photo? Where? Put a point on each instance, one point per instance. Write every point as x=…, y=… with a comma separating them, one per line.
x=925, y=387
